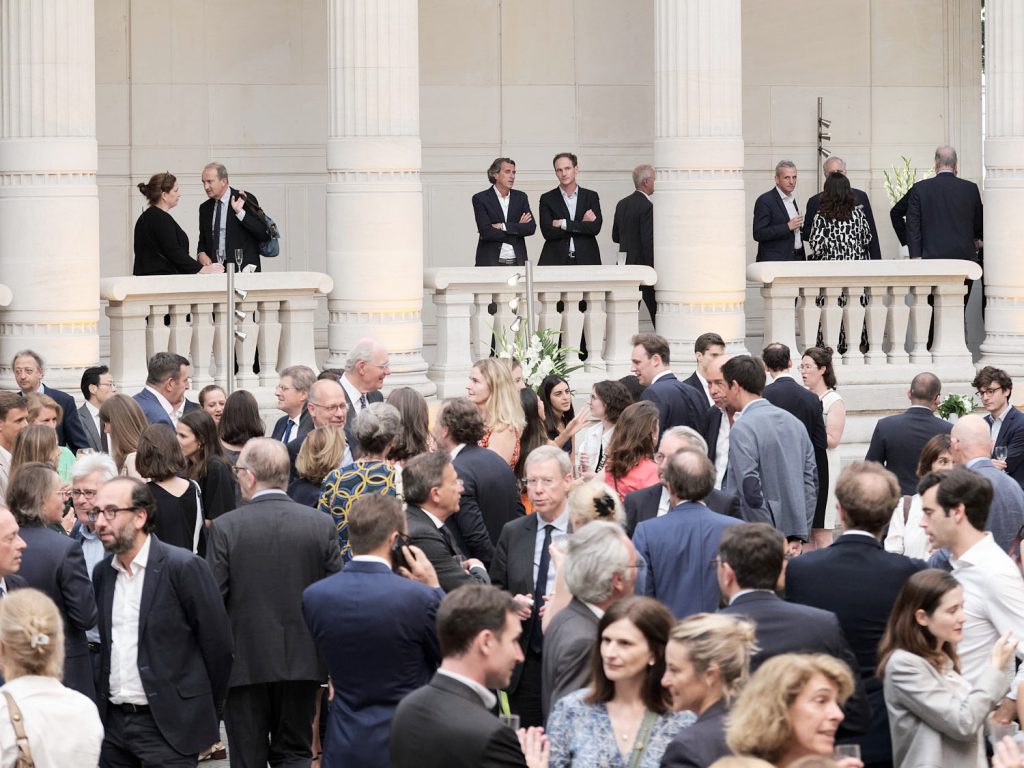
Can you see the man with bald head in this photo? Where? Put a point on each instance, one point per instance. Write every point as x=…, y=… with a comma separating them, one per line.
x=836, y=164
x=327, y=407
x=944, y=214
x=263, y=555
x=972, y=447
x=11, y=547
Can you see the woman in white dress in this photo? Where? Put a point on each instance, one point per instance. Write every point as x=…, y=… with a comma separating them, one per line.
x=608, y=399
x=819, y=377
x=906, y=536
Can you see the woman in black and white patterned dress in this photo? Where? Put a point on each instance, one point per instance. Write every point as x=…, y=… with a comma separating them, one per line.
x=840, y=229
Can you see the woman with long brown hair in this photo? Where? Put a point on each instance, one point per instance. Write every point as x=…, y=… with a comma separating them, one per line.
x=630, y=464
x=122, y=418
x=206, y=464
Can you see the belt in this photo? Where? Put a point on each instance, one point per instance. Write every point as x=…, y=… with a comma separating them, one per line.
x=135, y=709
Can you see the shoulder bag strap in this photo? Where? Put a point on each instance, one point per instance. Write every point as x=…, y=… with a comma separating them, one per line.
x=17, y=721
x=640, y=746
x=907, y=501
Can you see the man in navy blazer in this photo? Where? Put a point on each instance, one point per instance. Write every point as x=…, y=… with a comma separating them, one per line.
x=836, y=164
x=706, y=350
x=679, y=547
x=292, y=394
x=679, y=405
x=165, y=700
x=503, y=218
x=897, y=440
x=944, y=214
x=163, y=397
x=995, y=387
x=29, y=369
x=777, y=219
x=570, y=218
x=376, y=632
x=858, y=581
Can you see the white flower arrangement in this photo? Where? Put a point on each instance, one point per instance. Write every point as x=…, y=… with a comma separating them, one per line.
x=961, y=405
x=540, y=355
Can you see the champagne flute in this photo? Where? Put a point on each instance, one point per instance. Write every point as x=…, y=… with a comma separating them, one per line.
x=999, y=453
x=238, y=258
x=220, y=256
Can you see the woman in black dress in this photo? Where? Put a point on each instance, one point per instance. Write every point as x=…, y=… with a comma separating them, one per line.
x=200, y=445
x=161, y=246
x=179, y=519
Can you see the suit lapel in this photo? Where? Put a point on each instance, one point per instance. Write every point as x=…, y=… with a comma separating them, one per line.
x=523, y=555
x=155, y=573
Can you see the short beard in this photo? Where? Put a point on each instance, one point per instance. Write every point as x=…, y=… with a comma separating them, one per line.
x=123, y=541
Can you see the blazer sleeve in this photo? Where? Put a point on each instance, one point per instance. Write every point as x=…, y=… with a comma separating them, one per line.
x=218, y=490
x=979, y=217
x=644, y=551
x=503, y=751
x=77, y=590
x=593, y=203
x=647, y=234
x=928, y=696
x=763, y=228
x=164, y=232
x=250, y=221
x=898, y=217
x=218, y=559
x=483, y=221
x=1015, y=447
x=499, y=565
x=914, y=242
x=206, y=615
x=547, y=215
x=810, y=209
x=678, y=754
x=632, y=512
x=874, y=251
x=652, y=397
x=202, y=246
x=512, y=226
x=876, y=449
x=470, y=522
x=450, y=573
x=744, y=474
x=71, y=425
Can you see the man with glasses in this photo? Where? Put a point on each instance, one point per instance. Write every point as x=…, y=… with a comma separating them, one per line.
x=522, y=566
x=327, y=408
x=365, y=370
x=292, y=394
x=1005, y=422
x=165, y=637
x=97, y=387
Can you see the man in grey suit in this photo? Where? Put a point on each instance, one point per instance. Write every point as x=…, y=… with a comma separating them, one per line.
x=97, y=387
x=771, y=459
x=600, y=569
x=263, y=555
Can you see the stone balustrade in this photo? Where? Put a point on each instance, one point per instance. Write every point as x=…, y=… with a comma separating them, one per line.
x=186, y=314
x=463, y=295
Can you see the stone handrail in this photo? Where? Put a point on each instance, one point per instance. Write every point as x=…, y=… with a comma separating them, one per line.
x=186, y=314
x=462, y=296
x=894, y=299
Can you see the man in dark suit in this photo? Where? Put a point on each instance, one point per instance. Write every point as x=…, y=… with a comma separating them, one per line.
x=777, y=220
x=718, y=421
x=503, y=218
x=97, y=387
x=994, y=388
x=633, y=228
x=570, y=219
x=678, y=404
x=292, y=394
x=11, y=547
x=490, y=490
x=522, y=566
x=432, y=490
x=262, y=556
x=364, y=620
x=655, y=501
x=227, y=221
x=366, y=368
x=327, y=407
x=163, y=397
x=858, y=581
x=706, y=349
x=29, y=369
x=160, y=697
x=751, y=567
x=447, y=723
x=13, y=419
x=897, y=440
x=600, y=569
x=836, y=164
x=944, y=214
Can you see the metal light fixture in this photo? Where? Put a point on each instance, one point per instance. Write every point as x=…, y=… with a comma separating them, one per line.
x=514, y=280
x=241, y=294
x=516, y=324
x=239, y=314
x=513, y=303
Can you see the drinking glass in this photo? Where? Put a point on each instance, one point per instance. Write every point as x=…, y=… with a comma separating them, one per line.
x=220, y=256
x=512, y=721
x=846, y=750
x=999, y=453
x=238, y=258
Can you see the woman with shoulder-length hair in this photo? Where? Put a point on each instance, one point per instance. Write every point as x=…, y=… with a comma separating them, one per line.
x=206, y=463
x=491, y=389
x=608, y=399
x=122, y=418
x=45, y=411
x=161, y=246
x=322, y=451
x=906, y=536
x=239, y=423
x=623, y=718
x=415, y=438
x=32, y=658
x=936, y=717
x=179, y=518
x=840, y=230
x=630, y=464
x=54, y=563
x=820, y=378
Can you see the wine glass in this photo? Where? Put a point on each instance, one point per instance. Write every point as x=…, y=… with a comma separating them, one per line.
x=238, y=258
x=220, y=256
x=999, y=453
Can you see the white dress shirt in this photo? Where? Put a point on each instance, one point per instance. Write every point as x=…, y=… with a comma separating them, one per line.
x=722, y=450
x=561, y=530
x=353, y=396
x=790, y=202
x=570, y=203
x=487, y=698
x=5, y=469
x=507, y=255
x=125, y=682
x=169, y=409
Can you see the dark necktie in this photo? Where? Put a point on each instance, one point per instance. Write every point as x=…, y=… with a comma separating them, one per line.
x=216, y=229
x=362, y=402
x=540, y=589
x=288, y=431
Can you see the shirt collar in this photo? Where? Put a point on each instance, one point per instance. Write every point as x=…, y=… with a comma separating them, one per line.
x=663, y=374
x=353, y=393
x=594, y=609
x=748, y=592
x=783, y=375
x=855, y=532
x=371, y=559
x=93, y=410
x=487, y=697
x=783, y=195
x=574, y=194
x=164, y=402
x=139, y=561
x=561, y=522
x=265, y=492
x=433, y=518
x=975, y=461
x=743, y=410
x=975, y=554
x=498, y=193
x=1002, y=415
x=457, y=450
x=226, y=197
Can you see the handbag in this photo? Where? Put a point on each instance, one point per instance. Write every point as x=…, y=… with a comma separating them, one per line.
x=21, y=738
x=640, y=746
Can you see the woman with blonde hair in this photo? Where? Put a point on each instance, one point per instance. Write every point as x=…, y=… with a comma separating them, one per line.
x=630, y=464
x=45, y=411
x=34, y=701
x=790, y=709
x=706, y=666
x=38, y=444
x=322, y=451
x=122, y=418
x=490, y=388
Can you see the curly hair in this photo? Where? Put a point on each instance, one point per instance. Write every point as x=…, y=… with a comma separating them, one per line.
x=633, y=439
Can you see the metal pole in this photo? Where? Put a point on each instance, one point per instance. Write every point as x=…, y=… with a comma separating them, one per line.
x=530, y=328
x=817, y=159
x=230, y=335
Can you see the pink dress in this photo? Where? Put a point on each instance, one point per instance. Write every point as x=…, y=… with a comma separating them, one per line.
x=643, y=475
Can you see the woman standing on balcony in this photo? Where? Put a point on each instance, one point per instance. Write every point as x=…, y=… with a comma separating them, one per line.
x=840, y=230
x=161, y=246
x=491, y=389
x=819, y=377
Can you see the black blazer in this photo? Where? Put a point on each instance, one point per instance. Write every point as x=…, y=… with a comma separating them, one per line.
x=944, y=218
x=582, y=233
x=444, y=725
x=642, y=505
x=487, y=211
x=1011, y=434
x=712, y=426
x=490, y=498
x=633, y=228
x=771, y=228
x=70, y=431
x=702, y=743
x=898, y=217
x=861, y=199
x=789, y=395
x=897, y=441
x=54, y=564
x=350, y=422
x=185, y=648
x=678, y=404
x=246, y=234
x=161, y=246
x=305, y=425
x=693, y=381
x=441, y=551
x=262, y=556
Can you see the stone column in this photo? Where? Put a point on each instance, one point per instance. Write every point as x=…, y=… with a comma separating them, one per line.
x=374, y=195
x=700, y=222
x=49, y=212
x=1004, y=186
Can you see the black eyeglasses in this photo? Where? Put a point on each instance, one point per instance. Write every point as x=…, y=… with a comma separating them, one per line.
x=238, y=468
x=80, y=493
x=109, y=513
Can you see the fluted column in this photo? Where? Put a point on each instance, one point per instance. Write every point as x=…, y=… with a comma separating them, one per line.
x=49, y=213
x=1004, y=185
x=699, y=219
x=374, y=195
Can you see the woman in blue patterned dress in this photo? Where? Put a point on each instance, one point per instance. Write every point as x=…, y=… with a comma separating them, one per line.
x=378, y=427
x=623, y=719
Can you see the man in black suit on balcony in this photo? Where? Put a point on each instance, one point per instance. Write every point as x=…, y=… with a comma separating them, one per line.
x=777, y=220
x=503, y=218
x=570, y=218
x=944, y=213
x=633, y=228
x=227, y=220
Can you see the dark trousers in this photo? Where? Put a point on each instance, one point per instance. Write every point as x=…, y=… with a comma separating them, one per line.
x=647, y=293
x=133, y=740
x=525, y=701
x=271, y=723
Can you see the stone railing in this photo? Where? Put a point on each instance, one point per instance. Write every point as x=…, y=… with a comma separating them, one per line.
x=186, y=314
x=463, y=295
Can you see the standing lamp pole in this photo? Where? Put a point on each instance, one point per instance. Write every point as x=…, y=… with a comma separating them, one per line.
x=230, y=335
x=530, y=327
x=823, y=125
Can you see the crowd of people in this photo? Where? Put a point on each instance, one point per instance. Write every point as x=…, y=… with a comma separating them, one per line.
x=676, y=574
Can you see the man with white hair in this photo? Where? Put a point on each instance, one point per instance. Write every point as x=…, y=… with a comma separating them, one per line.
x=600, y=569
x=633, y=228
x=836, y=164
x=366, y=368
